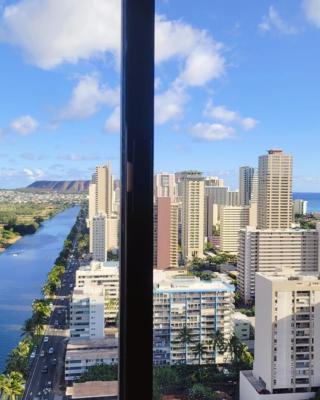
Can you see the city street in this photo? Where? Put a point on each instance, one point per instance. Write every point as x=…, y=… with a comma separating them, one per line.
x=47, y=367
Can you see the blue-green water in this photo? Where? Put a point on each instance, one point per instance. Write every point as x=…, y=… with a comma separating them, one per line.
x=23, y=274
x=312, y=198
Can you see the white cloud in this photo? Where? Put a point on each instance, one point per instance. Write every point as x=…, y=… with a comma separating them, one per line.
x=311, y=9
x=78, y=157
x=202, y=55
x=88, y=97
x=52, y=32
x=274, y=21
x=112, y=124
x=24, y=125
x=212, y=132
x=170, y=104
x=221, y=113
x=33, y=174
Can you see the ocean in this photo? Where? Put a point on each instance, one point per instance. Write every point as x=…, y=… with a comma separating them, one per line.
x=313, y=200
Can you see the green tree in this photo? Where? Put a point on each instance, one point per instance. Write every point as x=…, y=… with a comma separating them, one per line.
x=200, y=392
x=12, y=385
x=219, y=342
x=199, y=351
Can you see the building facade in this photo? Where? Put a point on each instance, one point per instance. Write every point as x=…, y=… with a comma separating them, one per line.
x=248, y=185
x=232, y=219
x=272, y=250
x=287, y=337
x=166, y=249
x=202, y=307
x=192, y=240
x=87, y=312
x=275, y=190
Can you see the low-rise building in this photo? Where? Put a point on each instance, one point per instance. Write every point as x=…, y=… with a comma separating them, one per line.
x=84, y=353
x=242, y=326
x=186, y=303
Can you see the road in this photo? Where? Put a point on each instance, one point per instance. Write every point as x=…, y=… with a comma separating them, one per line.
x=42, y=384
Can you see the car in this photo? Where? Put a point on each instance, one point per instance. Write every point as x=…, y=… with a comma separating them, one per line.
x=51, y=350
x=54, y=361
x=71, y=285
x=42, y=353
x=33, y=354
x=46, y=339
x=44, y=369
x=56, y=322
x=49, y=384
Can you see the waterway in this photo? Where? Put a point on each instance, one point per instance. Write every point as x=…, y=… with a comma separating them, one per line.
x=23, y=270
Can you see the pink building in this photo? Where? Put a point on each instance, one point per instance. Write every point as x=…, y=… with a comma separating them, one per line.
x=166, y=250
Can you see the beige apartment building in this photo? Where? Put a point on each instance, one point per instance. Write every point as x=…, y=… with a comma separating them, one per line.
x=166, y=249
x=232, y=219
x=287, y=339
x=192, y=214
x=272, y=250
x=275, y=190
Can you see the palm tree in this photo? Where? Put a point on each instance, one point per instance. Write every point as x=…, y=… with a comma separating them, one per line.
x=28, y=328
x=185, y=337
x=12, y=385
x=236, y=349
x=199, y=350
x=3, y=383
x=218, y=342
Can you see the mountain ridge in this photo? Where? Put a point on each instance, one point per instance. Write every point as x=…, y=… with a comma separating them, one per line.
x=76, y=186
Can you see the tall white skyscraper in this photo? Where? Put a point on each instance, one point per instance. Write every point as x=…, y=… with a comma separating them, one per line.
x=275, y=190
x=192, y=214
x=248, y=185
x=287, y=339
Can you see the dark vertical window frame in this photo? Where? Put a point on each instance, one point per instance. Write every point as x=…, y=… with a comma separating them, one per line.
x=136, y=260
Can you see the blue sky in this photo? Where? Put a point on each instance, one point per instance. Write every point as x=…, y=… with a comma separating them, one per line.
x=232, y=81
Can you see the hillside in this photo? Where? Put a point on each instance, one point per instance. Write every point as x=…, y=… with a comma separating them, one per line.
x=60, y=186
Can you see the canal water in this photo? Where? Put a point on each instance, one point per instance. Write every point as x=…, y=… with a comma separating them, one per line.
x=23, y=270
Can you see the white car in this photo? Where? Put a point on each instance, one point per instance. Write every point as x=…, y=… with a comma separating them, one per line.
x=46, y=339
x=32, y=355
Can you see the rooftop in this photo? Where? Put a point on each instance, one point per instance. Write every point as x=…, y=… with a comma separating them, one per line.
x=88, y=390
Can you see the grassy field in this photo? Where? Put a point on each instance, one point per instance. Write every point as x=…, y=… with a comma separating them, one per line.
x=19, y=219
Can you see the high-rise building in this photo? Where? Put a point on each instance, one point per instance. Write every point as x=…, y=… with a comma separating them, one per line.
x=287, y=339
x=271, y=250
x=192, y=215
x=202, y=307
x=165, y=185
x=248, y=185
x=233, y=198
x=106, y=275
x=213, y=181
x=81, y=354
x=300, y=207
x=165, y=250
x=275, y=190
x=232, y=219
x=99, y=237
x=113, y=233
x=87, y=312
x=104, y=189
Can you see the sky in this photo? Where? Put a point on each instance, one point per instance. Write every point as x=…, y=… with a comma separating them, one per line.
x=233, y=78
